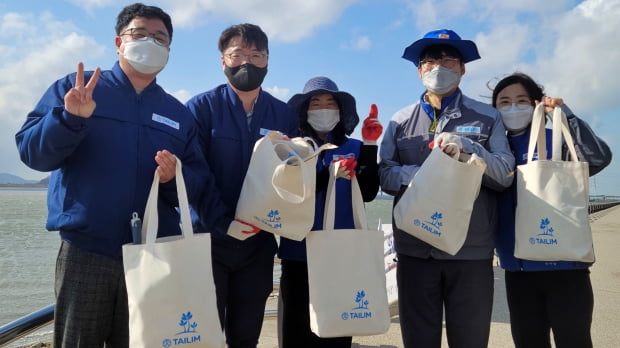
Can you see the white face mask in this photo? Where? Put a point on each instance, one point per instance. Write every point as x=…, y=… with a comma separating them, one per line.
x=145, y=56
x=516, y=117
x=440, y=80
x=323, y=120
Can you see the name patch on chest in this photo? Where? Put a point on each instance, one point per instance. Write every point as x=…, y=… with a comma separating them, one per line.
x=165, y=120
x=468, y=129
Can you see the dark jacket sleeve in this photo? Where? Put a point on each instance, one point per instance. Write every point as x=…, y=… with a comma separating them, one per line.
x=367, y=172
x=588, y=146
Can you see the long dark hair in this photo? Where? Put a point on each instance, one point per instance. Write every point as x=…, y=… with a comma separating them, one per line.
x=533, y=89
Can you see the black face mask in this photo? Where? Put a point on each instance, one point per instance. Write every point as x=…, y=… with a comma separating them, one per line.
x=246, y=77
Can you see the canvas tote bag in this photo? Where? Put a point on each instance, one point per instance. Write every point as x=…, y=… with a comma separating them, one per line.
x=551, y=222
x=346, y=273
x=436, y=206
x=170, y=286
x=278, y=190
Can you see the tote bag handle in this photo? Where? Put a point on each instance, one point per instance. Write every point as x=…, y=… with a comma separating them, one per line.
x=359, y=212
x=538, y=135
x=293, y=159
x=151, y=216
x=560, y=127
x=296, y=159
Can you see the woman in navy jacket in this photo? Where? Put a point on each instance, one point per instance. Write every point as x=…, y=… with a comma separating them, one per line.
x=543, y=295
x=327, y=115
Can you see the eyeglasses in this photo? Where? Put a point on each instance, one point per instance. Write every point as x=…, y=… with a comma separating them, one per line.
x=254, y=58
x=445, y=61
x=141, y=34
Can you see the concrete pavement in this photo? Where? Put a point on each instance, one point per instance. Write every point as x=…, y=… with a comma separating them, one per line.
x=605, y=282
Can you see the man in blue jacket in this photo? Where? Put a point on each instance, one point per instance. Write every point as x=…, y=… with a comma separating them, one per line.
x=231, y=118
x=103, y=134
x=430, y=280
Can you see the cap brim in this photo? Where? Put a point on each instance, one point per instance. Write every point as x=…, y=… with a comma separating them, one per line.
x=467, y=48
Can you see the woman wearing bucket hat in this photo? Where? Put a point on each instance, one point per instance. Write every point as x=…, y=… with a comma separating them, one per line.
x=542, y=295
x=326, y=115
x=432, y=282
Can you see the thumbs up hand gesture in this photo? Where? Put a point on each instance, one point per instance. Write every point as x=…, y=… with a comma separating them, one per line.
x=372, y=129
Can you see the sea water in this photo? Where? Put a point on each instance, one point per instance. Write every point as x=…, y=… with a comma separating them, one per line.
x=28, y=251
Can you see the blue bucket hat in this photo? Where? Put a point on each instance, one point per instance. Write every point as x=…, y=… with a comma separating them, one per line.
x=467, y=48
x=323, y=85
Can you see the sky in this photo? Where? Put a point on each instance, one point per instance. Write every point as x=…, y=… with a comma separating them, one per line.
x=570, y=47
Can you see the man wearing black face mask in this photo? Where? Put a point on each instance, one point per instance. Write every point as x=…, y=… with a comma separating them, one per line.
x=231, y=118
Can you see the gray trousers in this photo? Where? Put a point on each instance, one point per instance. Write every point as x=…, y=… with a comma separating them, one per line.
x=91, y=300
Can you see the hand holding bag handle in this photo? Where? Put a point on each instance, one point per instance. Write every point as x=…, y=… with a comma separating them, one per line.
x=151, y=218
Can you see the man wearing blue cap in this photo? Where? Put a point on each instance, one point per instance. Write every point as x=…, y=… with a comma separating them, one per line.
x=430, y=280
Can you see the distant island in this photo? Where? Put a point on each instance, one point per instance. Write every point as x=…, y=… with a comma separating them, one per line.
x=10, y=180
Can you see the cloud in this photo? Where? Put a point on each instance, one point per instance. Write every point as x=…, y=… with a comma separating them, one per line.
x=47, y=49
x=287, y=21
x=182, y=95
x=572, y=52
x=279, y=92
x=583, y=65
x=362, y=43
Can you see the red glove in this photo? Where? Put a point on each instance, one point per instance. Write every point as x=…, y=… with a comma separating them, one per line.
x=372, y=129
x=241, y=230
x=347, y=168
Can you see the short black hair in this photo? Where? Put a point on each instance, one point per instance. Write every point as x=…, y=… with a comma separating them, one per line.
x=437, y=51
x=251, y=34
x=533, y=89
x=140, y=10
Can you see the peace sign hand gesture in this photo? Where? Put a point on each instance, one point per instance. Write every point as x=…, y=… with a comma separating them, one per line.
x=79, y=99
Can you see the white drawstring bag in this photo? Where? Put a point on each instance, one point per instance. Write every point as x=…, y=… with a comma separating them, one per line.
x=170, y=286
x=551, y=222
x=278, y=190
x=436, y=206
x=346, y=273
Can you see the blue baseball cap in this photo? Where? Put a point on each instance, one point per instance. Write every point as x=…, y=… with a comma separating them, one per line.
x=467, y=48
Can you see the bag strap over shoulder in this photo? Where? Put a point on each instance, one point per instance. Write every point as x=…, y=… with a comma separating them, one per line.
x=151, y=216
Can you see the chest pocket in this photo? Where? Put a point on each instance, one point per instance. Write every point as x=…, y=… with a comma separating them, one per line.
x=413, y=150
